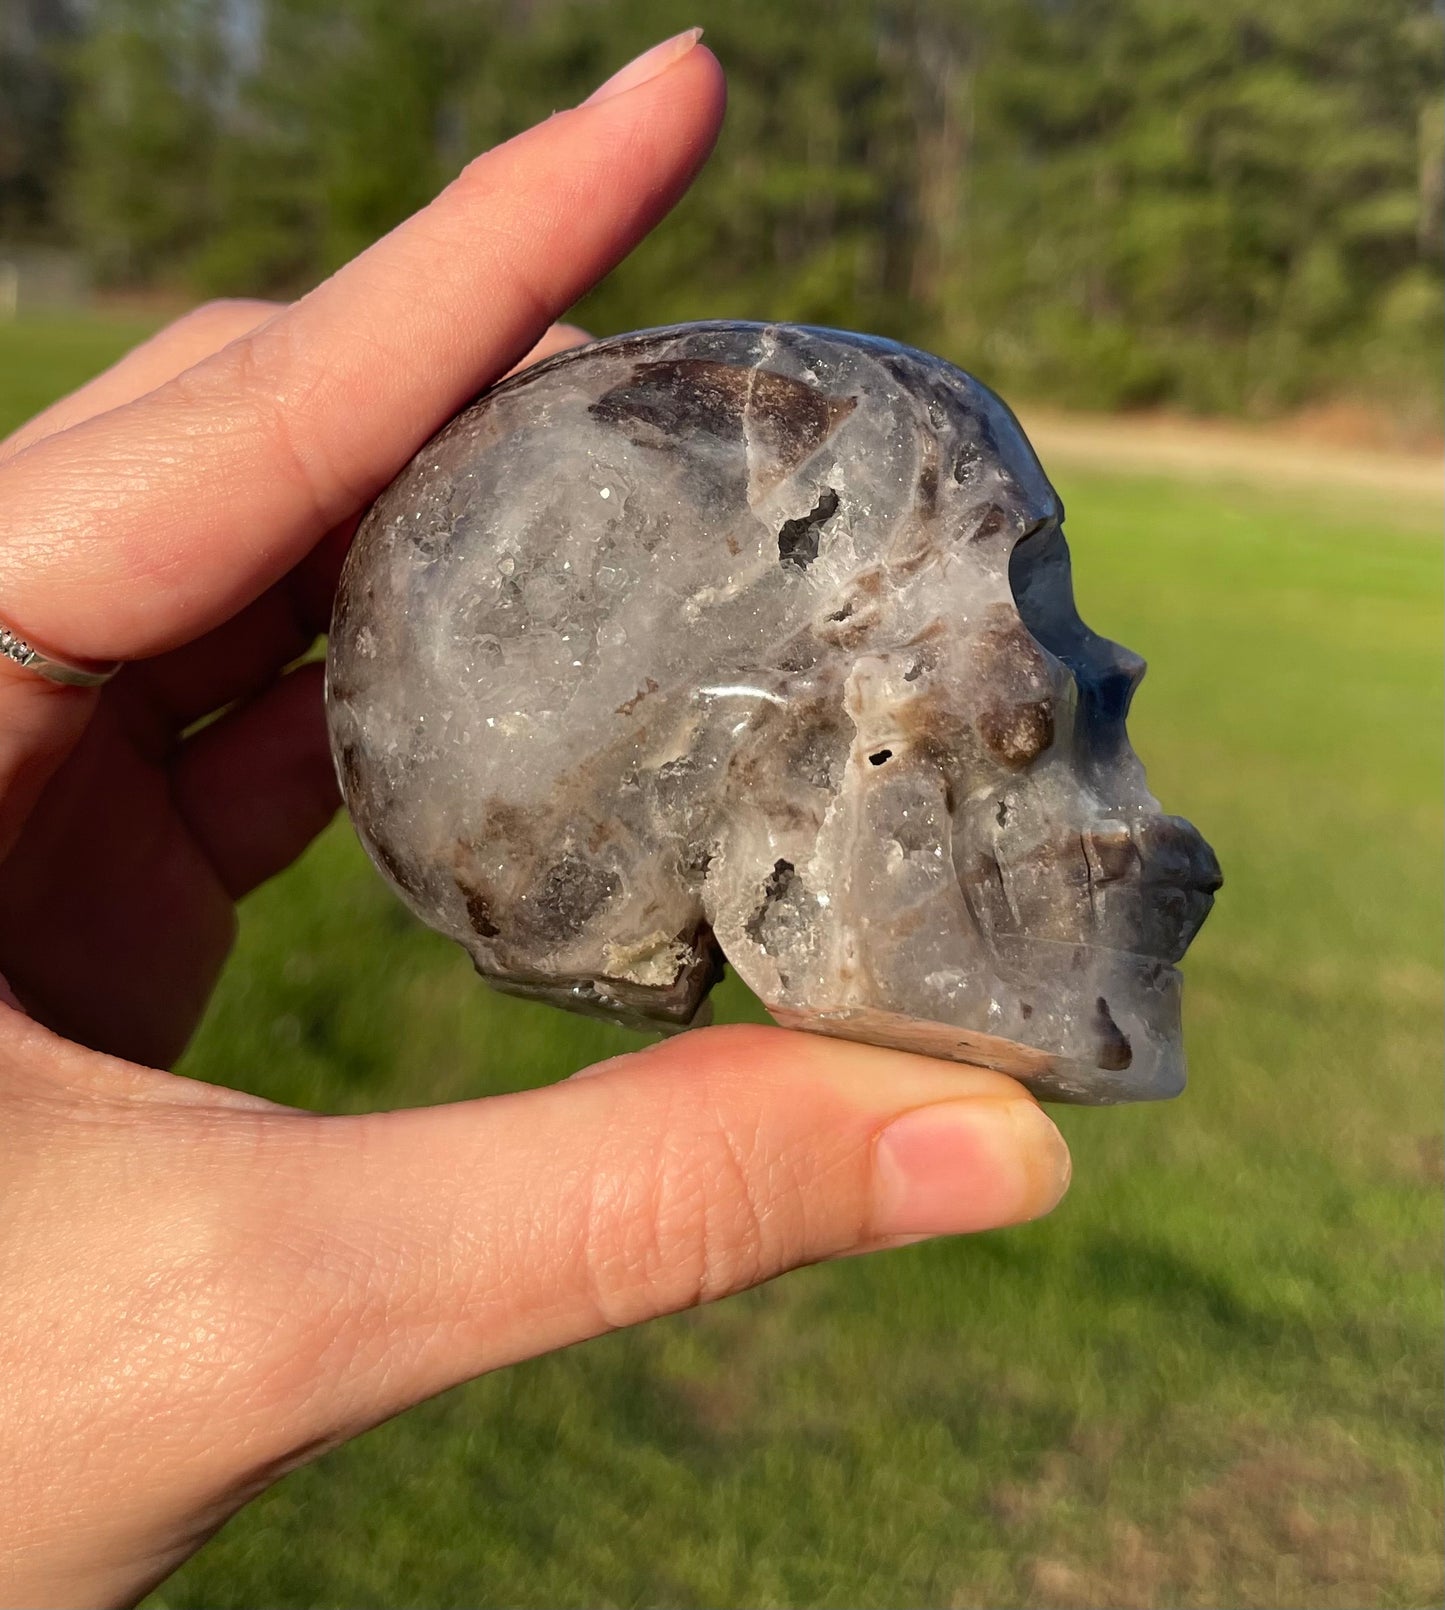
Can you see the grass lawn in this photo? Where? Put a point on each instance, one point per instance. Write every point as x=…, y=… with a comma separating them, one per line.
x=1211, y=1378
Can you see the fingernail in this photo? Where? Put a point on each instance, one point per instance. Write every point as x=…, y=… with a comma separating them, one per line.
x=648, y=65
x=967, y=1165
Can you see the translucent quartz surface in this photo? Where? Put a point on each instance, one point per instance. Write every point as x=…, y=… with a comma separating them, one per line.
x=760, y=642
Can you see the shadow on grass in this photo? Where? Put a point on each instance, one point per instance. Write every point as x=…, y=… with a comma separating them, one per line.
x=1129, y=1267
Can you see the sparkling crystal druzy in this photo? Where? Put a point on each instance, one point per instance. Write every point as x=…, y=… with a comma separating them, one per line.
x=759, y=642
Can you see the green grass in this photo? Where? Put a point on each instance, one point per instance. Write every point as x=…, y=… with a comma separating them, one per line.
x=1211, y=1378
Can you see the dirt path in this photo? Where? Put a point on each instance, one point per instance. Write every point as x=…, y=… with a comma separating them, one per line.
x=1210, y=451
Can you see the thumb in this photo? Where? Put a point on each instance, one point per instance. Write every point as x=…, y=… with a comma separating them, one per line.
x=478, y=1235
x=256, y=1284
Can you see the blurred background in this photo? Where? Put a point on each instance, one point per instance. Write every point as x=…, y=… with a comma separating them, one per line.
x=1228, y=205
x=1212, y=1378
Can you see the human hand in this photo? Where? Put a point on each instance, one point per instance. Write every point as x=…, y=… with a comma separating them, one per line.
x=202, y=1289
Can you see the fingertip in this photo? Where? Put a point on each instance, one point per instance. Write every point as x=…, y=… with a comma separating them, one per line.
x=699, y=81
x=711, y=82
x=661, y=62
x=963, y=1166
x=689, y=94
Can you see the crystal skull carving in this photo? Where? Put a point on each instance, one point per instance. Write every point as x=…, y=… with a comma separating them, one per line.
x=760, y=642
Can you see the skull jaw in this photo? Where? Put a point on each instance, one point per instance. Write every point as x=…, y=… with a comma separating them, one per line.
x=1048, y=1077
x=1111, y=1033
x=1075, y=1023
x=1059, y=1064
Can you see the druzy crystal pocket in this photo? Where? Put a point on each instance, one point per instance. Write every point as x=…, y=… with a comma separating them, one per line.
x=759, y=642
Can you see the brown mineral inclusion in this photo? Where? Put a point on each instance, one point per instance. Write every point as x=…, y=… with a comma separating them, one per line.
x=759, y=641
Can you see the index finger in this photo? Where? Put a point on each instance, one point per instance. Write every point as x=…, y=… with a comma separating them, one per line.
x=136, y=531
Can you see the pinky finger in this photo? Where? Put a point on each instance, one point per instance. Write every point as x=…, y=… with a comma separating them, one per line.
x=256, y=786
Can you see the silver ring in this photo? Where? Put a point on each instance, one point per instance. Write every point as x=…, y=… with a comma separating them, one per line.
x=14, y=648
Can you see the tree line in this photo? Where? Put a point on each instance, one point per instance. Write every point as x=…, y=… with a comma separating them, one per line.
x=1225, y=205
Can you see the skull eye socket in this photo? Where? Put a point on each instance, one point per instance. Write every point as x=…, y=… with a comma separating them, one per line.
x=1042, y=585
x=1105, y=673
x=1021, y=553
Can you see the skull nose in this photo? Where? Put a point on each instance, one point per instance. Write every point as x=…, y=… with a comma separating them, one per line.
x=1174, y=850
x=1208, y=874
